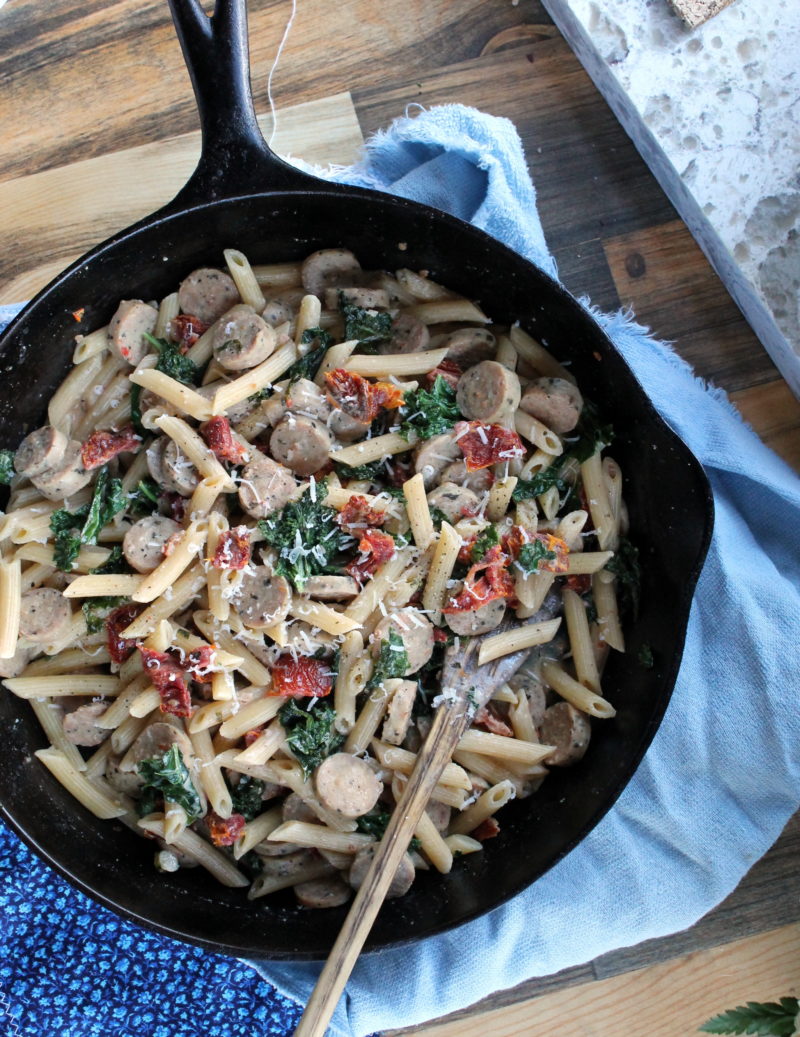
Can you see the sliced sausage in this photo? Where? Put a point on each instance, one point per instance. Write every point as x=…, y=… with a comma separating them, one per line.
x=569, y=730
x=366, y=298
x=179, y=472
x=347, y=784
x=40, y=451
x=294, y=808
x=346, y=428
x=67, y=478
x=556, y=402
x=434, y=455
x=288, y=864
x=478, y=482
x=403, y=877
x=207, y=294
x=398, y=715
x=470, y=346
x=487, y=392
x=330, y=892
x=331, y=588
x=409, y=335
x=277, y=311
x=306, y=398
x=155, y=740
x=535, y=693
x=328, y=268
x=154, y=455
x=128, y=782
x=302, y=444
x=133, y=320
x=416, y=631
x=456, y=502
x=265, y=414
x=15, y=664
x=439, y=813
x=264, y=486
x=80, y=725
x=44, y=615
x=143, y=544
x=478, y=621
x=242, y=339
x=262, y=598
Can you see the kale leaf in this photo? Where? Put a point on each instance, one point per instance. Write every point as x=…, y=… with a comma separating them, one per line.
x=539, y=484
x=95, y=611
x=392, y=660
x=144, y=499
x=625, y=566
x=136, y=410
x=485, y=541
x=430, y=412
x=115, y=563
x=375, y=824
x=169, y=775
x=530, y=555
x=645, y=657
x=371, y=471
x=251, y=864
x=306, y=534
x=593, y=435
x=6, y=467
x=771, y=1018
x=308, y=365
x=311, y=734
x=246, y=797
x=367, y=327
x=172, y=362
x=107, y=500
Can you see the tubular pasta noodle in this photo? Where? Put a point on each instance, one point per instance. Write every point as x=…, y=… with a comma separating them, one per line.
x=96, y=764
x=587, y=562
x=274, y=276
x=10, y=605
x=580, y=641
x=444, y=558
x=168, y=310
x=182, y=592
x=179, y=395
x=506, y=354
x=570, y=528
x=376, y=589
x=442, y=311
x=64, y=404
x=535, y=432
x=145, y=702
x=397, y=759
x=194, y=846
x=419, y=513
x=50, y=716
x=267, y=372
x=347, y=686
x=594, y=486
x=266, y=883
x=373, y=449
x=254, y=714
x=210, y=774
x=372, y=713
x=218, y=604
x=101, y=586
x=204, y=496
x=487, y=804
x=574, y=692
x=537, y=356
x=123, y=737
x=119, y=710
x=500, y=497
x=515, y=640
x=399, y=364
x=337, y=356
x=419, y=287
x=433, y=845
x=71, y=659
x=319, y=837
x=264, y=747
x=248, y=665
x=211, y=714
x=244, y=278
x=504, y=749
x=79, y=785
x=174, y=565
x=308, y=316
x=521, y=720
x=604, y=593
x=196, y=450
x=322, y=616
x=612, y=476
x=256, y=831
x=93, y=344
x=65, y=684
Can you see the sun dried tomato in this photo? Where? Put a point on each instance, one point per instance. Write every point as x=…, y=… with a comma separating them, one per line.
x=518, y=537
x=169, y=679
x=489, y=717
x=376, y=548
x=439, y=635
x=357, y=515
x=252, y=735
x=198, y=663
x=449, y=370
x=581, y=583
x=176, y=505
x=233, y=549
x=361, y=399
x=484, y=445
x=119, y=648
x=224, y=831
x=485, y=581
x=219, y=438
x=301, y=677
x=487, y=829
x=104, y=444
x=186, y=329
x=397, y=471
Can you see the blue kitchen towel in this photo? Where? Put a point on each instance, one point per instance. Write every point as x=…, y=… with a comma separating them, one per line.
x=717, y=785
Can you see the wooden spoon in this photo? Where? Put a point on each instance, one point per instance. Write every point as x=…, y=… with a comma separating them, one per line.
x=465, y=688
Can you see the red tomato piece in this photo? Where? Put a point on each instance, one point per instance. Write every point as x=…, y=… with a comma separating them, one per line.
x=217, y=434
x=224, y=831
x=104, y=444
x=301, y=677
x=119, y=648
x=169, y=679
x=357, y=515
x=486, y=580
x=176, y=505
x=186, y=329
x=449, y=370
x=198, y=663
x=488, y=717
x=233, y=549
x=252, y=735
x=487, y=829
x=376, y=548
x=581, y=583
x=484, y=445
x=517, y=537
x=361, y=399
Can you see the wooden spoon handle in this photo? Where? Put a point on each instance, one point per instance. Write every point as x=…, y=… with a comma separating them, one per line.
x=434, y=755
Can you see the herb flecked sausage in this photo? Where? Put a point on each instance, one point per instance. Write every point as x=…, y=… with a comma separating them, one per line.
x=143, y=544
x=207, y=293
x=265, y=486
x=132, y=321
x=242, y=339
x=488, y=392
x=346, y=784
x=262, y=598
x=302, y=444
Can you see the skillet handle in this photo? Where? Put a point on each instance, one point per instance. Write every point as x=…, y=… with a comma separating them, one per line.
x=235, y=159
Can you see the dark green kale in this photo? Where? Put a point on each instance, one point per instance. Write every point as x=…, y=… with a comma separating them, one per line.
x=592, y=434
x=770, y=1018
x=368, y=327
x=372, y=471
x=437, y=516
x=246, y=797
x=144, y=499
x=136, y=410
x=625, y=566
x=251, y=864
x=531, y=555
x=173, y=363
x=6, y=467
x=310, y=733
x=96, y=610
x=168, y=776
x=308, y=365
x=430, y=412
x=485, y=541
x=645, y=657
x=307, y=536
x=74, y=528
x=392, y=660
x=115, y=563
x=375, y=824
x=539, y=484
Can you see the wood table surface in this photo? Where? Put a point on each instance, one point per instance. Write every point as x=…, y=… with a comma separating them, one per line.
x=99, y=127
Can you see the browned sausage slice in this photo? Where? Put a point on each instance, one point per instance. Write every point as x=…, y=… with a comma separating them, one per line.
x=143, y=544
x=264, y=486
x=409, y=335
x=434, y=455
x=416, y=632
x=15, y=664
x=331, y=588
x=328, y=268
x=207, y=294
x=155, y=740
x=179, y=472
x=80, y=725
x=294, y=808
x=347, y=784
x=302, y=444
x=67, y=478
x=366, y=298
x=478, y=482
x=128, y=782
x=487, y=392
x=262, y=598
x=556, y=402
x=535, y=694
x=242, y=339
x=569, y=730
x=306, y=398
x=44, y=615
x=277, y=311
x=346, y=428
x=469, y=346
x=478, y=621
x=133, y=320
x=40, y=451
x=403, y=877
x=456, y=502
x=331, y=892
x=398, y=715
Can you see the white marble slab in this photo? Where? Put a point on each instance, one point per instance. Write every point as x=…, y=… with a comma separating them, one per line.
x=715, y=111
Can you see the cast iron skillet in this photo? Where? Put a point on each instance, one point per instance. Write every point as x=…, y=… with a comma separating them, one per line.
x=241, y=195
